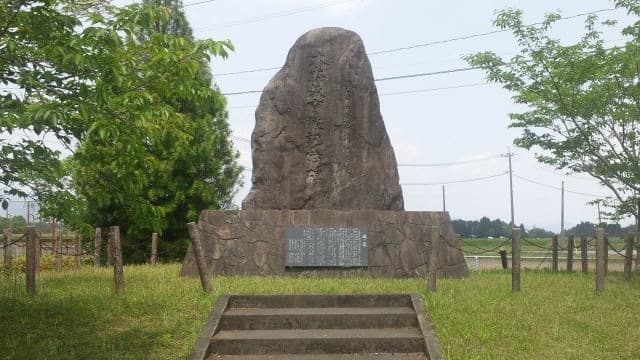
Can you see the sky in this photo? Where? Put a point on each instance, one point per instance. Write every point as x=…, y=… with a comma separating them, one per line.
x=451, y=118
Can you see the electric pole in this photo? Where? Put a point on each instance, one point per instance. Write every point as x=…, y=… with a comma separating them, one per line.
x=511, y=187
x=562, y=211
x=444, y=203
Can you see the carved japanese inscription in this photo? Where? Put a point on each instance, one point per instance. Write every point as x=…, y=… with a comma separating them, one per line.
x=315, y=246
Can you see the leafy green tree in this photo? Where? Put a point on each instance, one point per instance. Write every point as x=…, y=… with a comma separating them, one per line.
x=157, y=152
x=17, y=223
x=205, y=173
x=484, y=227
x=36, y=42
x=135, y=114
x=582, y=100
x=537, y=232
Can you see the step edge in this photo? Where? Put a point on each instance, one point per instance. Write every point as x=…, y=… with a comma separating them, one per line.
x=391, y=310
x=431, y=344
x=403, y=298
x=227, y=335
x=202, y=347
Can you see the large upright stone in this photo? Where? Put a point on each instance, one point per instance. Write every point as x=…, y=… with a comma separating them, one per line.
x=319, y=141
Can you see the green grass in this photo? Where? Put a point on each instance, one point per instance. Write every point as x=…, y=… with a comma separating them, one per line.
x=76, y=315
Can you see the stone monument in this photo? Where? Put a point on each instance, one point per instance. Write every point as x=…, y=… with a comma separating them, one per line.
x=319, y=141
x=325, y=192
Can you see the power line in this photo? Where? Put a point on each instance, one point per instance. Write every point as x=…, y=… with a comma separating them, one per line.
x=439, y=72
x=432, y=73
x=456, y=181
x=240, y=138
x=275, y=15
x=438, y=42
x=407, y=76
x=471, y=36
x=383, y=94
x=436, y=89
x=247, y=71
x=242, y=92
x=452, y=163
x=198, y=3
x=558, y=188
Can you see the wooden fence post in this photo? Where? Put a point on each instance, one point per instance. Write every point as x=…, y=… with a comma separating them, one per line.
x=32, y=259
x=554, y=253
x=118, y=272
x=515, y=259
x=628, y=256
x=584, y=255
x=196, y=245
x=58, y=251
x=600, y=261
x=110, y=248
x=97, y=243
x=606, y=254
x=53, y=238
x=78, y=250
x=154, y=249
x=8, y=248
x=432, y=274
x=38, y=249
x=570, y=253
x=503, y=258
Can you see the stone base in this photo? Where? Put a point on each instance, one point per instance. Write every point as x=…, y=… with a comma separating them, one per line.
x=252, y=242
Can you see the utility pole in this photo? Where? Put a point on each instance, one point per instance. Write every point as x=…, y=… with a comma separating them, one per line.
x=562, y=211
x=28, y=213
x=511, y=187
x=444, y=203
x=599, y=216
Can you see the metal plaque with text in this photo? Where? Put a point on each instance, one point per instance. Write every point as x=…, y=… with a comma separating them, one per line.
x=315, y=246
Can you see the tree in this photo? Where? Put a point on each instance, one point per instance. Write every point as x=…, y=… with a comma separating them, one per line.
x=128, y=110
x=205, y=173
x=37, y=42
x=17, y=223
x=582, y=100
x=484, y=227
x=167, y=156
x=537, y=232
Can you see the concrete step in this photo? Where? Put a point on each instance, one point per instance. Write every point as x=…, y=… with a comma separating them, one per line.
x=318, y=318
x=318, y=341
x=374, y=356
x=290, y=301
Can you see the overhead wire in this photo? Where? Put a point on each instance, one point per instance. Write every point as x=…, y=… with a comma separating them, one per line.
x=450, y=163
x=456, y=181
x=471, y=36
x=275, y=15
x=557, y=187
x=382, y=94
x=198, y=3
x=426, y=44
x=417, y=91
x=431, y=73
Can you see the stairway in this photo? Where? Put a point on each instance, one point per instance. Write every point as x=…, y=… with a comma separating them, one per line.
x=318, y=327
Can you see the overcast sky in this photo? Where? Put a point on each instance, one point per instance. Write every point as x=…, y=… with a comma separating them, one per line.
x=468, y=121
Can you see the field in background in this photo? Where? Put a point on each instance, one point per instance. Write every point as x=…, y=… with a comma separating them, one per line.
x=483, y=253
x=76, y=314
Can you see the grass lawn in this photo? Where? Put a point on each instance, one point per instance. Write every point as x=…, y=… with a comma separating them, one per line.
x=77, y=316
